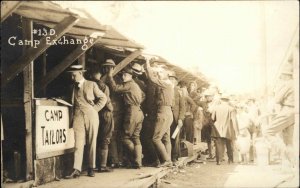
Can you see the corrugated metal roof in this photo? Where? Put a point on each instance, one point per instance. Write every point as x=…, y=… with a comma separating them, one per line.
x=49, y=14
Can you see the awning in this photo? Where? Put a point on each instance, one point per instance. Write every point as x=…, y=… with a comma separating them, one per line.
x=50, y=14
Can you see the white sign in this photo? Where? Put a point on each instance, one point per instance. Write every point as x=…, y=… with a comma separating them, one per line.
x=52, y=129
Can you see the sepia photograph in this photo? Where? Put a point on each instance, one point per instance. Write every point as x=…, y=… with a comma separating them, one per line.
x=150, y=94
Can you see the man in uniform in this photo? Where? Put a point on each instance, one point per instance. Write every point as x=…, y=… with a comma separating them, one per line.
x=115, y=151
x=164, y=116
x=107, y=124
x=87, y=100
x=284, y=120
x=132, y=124
x=178, y=109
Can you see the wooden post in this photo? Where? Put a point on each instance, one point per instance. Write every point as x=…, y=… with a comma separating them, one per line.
x=124, y=63
x=296, y=92
x=8, y=7
x=62, y=66
x=44, y=71
x=28, y=103
x=32, y=53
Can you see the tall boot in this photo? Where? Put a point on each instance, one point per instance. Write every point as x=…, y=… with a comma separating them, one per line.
x=138, y=156
x=103, y=161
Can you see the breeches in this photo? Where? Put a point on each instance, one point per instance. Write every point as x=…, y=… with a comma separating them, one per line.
x=105, y=129
x=132, y=126
x=282, y=122
x=161, y=136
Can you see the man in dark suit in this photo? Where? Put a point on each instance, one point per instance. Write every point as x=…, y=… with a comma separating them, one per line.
x=178, y=109
x=87, y=100
x=225, y=128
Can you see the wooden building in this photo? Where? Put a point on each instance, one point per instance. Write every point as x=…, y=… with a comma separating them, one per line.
x=36, y=49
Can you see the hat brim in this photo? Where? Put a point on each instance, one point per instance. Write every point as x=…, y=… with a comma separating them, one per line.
x=173, y=77
x=76, y=71
x=136, y=72
x=108, y=65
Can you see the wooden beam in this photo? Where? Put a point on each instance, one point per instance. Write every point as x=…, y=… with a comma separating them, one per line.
x=44, y=70
x=8, y=7
x=28, y=104
x=62, y=66
x=124, y=62
x=81, y=60
x=32, y=53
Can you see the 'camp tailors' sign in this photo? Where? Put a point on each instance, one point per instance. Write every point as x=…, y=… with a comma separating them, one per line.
x=52, y=129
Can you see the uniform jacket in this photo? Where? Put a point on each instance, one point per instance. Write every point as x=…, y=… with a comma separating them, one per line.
x=178, y=107
x=225, y=125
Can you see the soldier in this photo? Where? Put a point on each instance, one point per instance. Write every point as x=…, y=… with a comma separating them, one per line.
x=87, y=100
x=132, y=124
x=115, y=152
x=178, y=109
x=284, y=120
x=106, y=123
x=164, y=115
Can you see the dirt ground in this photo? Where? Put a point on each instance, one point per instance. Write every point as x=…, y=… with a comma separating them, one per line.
x=212, y=175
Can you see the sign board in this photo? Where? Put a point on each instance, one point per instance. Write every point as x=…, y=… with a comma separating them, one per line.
x=53, y=135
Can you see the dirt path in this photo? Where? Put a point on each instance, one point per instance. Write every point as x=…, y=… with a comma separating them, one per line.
x=212, y=175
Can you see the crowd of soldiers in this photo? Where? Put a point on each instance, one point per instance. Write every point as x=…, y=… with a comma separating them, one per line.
x=139, y=117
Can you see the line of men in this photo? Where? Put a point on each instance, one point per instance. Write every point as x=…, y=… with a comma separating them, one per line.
x=108, y=116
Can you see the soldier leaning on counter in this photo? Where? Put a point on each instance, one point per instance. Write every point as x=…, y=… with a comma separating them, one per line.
x=106, y=126
x=87, y=100
x=132, y=124
x=164, y=115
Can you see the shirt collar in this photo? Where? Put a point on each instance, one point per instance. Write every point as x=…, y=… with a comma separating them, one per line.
x=81, y=83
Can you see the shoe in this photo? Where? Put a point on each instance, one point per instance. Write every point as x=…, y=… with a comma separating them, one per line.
x=230, y=161
x=91, y=172
x=166, y=164
x=75, y=174
x=104, y=169
x=154, y=164
x=136, y=166
x=218, y=163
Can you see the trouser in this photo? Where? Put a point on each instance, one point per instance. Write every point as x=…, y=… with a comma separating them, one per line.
x=104, y=135
x=161, y=136
x=85, y=130
x=105, y=129
x=131, y=136
x=115, y=151
x=147, y=132
x=284, y=122
x=206, y=137
x=220, y=143
x=175, y=153
x=188, y=128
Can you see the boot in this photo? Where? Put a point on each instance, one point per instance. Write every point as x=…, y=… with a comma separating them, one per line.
x=138, y=156
x=103, y=161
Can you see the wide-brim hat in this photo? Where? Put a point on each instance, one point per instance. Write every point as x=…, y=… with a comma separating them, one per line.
x=109, y=62
x=127, y=70
x=172, y=74
x=75, y=68
x=225, y=96
x=137, y=69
